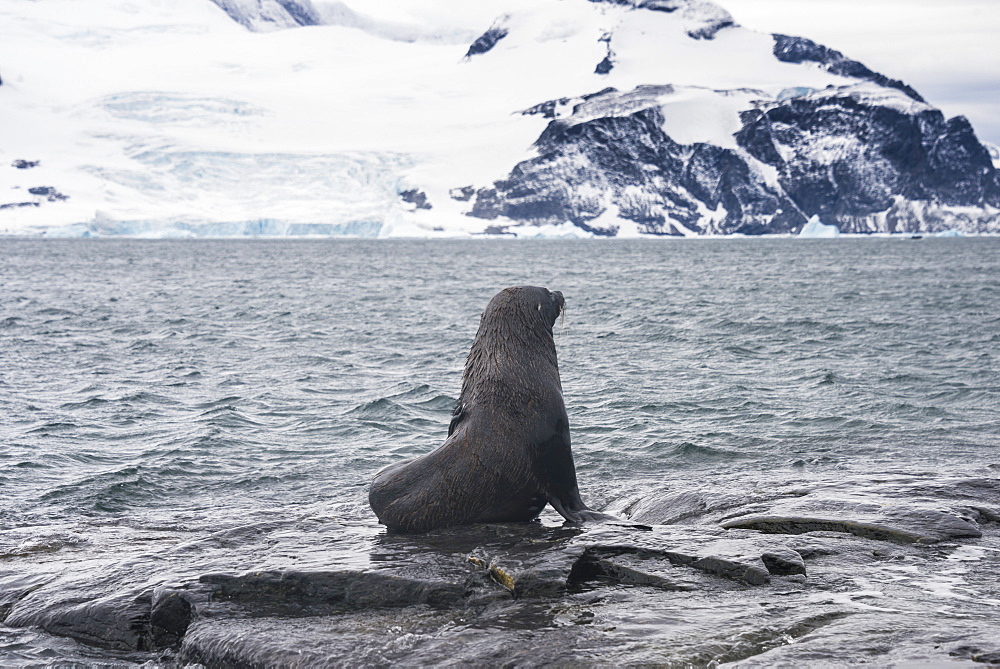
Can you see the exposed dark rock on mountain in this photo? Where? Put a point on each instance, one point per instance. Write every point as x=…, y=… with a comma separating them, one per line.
x=270, y=14
x=848, y=156
x=40, y=192
x=15, y=205
x=789, y=49
x=25, y=164
x=712, y=17
x=630, y=163
x=711, y=30
x=463, y=194
x=417, y=198
x=608, y=63
x=48, y=192
x=865, y=159
x=486, y=41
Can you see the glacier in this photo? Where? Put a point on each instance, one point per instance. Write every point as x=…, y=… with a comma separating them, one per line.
x=202, y=118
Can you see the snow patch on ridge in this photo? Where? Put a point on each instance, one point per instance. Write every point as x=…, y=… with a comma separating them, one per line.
x=994, y=154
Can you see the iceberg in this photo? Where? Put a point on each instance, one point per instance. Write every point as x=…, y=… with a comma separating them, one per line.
x=816, y=230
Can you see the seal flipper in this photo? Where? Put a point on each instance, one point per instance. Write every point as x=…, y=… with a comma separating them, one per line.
x=575, y=511
x=559, y=473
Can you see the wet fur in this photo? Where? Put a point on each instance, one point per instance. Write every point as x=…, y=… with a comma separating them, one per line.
x=508, y=448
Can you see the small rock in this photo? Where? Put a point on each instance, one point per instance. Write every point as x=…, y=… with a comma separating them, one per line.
x=783, y=562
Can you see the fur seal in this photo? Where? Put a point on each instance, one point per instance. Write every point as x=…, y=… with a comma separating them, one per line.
x=508, y=453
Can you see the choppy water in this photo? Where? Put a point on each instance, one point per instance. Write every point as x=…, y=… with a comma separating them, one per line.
x=171, y=409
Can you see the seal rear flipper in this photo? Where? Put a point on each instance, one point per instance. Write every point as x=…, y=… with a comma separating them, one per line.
x=575, y=511
x=585, y=515
x=591, y=516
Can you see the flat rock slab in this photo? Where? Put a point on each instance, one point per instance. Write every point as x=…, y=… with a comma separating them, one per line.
x=899, y=524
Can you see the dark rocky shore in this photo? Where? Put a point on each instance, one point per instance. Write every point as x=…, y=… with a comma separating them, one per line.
x=788, y=576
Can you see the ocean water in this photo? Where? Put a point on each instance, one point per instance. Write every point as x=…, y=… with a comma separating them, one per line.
x=171, y=409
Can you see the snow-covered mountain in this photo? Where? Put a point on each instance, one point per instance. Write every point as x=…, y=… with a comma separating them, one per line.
x=444, y=118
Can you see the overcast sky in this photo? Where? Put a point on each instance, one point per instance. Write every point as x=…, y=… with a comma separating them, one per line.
x=948, y=50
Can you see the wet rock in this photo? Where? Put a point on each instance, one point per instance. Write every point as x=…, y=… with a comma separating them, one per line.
x=976, y=654
x=812, y=550
x=986, y=515
x=753, y=574
x=783, y=562
x=14, y=588
x=670, y=508
x=170, y=616
x=509, y=634
x=315, y=593
x=888, y=554
x=496, y=594
x=900, y=525
x=630, y=570
x=745, y=570
x=118, y=621
x=363, y=638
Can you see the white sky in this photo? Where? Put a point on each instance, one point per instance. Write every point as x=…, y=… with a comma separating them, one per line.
x=948, y=50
